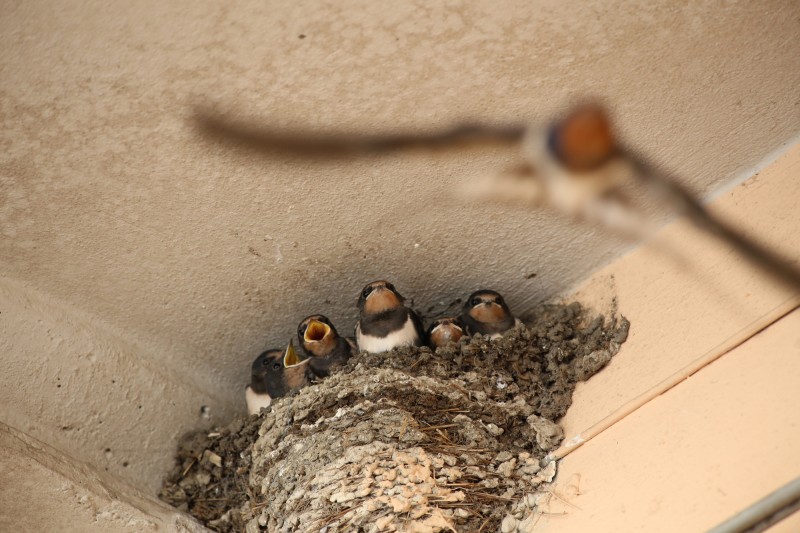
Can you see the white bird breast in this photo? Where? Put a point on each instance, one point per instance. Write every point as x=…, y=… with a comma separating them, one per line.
x=405, y=336
x=256, y=401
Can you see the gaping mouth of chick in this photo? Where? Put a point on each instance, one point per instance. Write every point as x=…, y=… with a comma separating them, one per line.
x=316, y=331
x=290, y=357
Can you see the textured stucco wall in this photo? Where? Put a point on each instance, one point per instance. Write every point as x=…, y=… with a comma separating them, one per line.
x=196, y=257
x=79, y=385
x=42, y=490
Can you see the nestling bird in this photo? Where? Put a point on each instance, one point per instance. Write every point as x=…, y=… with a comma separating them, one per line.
x=444, y=330
x=322, y=343
x=275, y=373
x=486, y=312
x=384, y=321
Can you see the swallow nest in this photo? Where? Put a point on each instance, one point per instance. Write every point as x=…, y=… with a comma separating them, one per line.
x=408, y=441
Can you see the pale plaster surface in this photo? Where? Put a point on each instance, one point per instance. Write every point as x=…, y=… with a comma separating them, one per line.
x=73, y=382
x=695, y=456
x=168, y=262
x=41, y=489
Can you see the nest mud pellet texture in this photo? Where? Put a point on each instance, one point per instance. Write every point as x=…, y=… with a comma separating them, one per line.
x=410, y=440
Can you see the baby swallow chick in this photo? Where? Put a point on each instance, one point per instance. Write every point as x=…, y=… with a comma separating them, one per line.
x=384, y=321
x=444, y=330
x=275, y=373
x=325, y=348
x=486, y=312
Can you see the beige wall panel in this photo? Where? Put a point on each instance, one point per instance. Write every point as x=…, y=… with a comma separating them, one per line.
x=687, y=293
x=691, y=458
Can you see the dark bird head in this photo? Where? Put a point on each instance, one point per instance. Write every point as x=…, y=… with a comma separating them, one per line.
x=444, y=330
x=583, y=140
x=278, y=372
x=317, y=335
x=379, y=297
x=487, y=307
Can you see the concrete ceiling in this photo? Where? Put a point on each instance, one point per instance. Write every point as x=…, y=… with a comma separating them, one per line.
x=111, y=202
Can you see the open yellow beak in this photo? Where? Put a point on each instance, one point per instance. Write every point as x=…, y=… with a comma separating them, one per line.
x=290, y=357
x=316, y=331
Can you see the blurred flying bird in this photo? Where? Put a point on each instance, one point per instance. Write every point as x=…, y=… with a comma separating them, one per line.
x=575, y=165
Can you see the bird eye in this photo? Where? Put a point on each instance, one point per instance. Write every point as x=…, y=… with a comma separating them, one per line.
x=475, y=301
x=499, y=300
x=276, y=366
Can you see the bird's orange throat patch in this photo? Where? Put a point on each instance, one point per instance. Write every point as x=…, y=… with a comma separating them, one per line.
x=488, y=313
x=381, y=300
x=586, y=139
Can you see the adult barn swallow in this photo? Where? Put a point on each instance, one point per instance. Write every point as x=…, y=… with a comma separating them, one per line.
x=275, y=373
x=486, y=312
x=322, y=343
x=384, y=321
x=576, y=166
x=444, y=330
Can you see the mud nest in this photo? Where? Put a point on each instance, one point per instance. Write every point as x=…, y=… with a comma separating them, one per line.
x=408, y=440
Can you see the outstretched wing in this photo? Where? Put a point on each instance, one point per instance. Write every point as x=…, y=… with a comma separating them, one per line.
x=333, y=145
